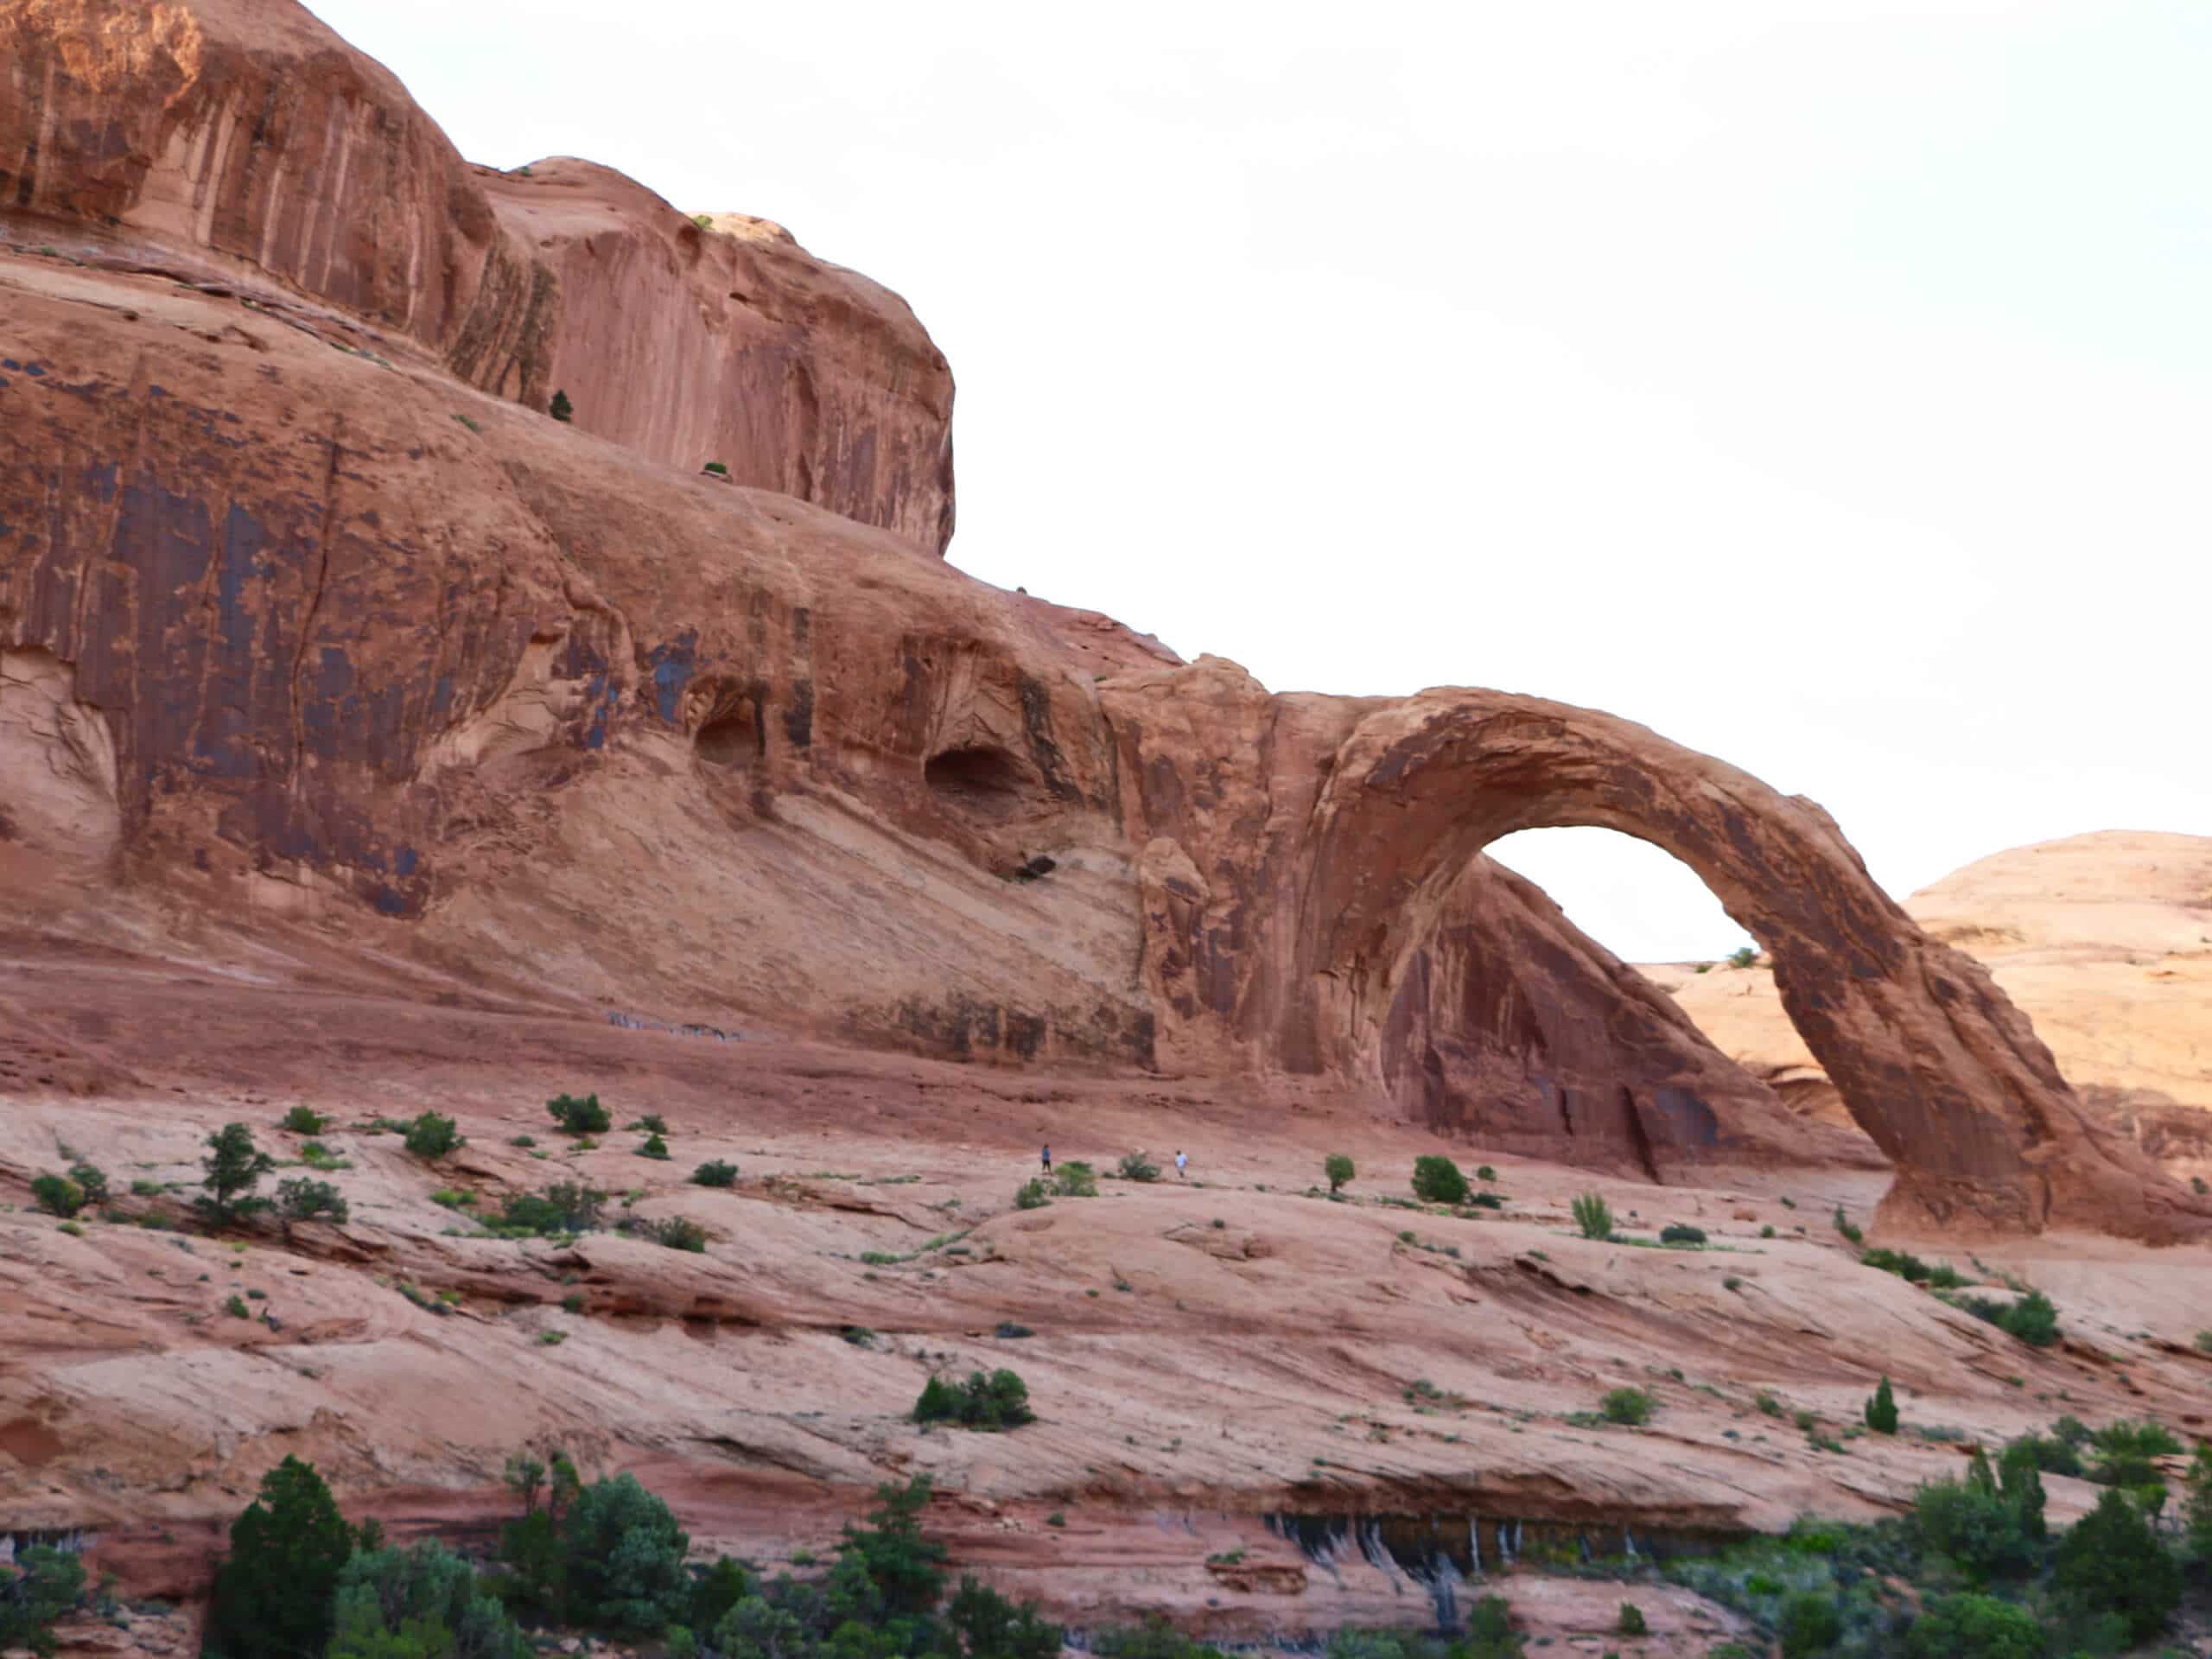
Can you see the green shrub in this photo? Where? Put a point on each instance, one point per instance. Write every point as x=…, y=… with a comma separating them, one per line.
x=674, y=1233
x=1811, y=1622
x=1629, y=1406
x=1742, y=956
x=92, y=1181
x=2204, y=1342
x=1155, y=1639
x=2124, y=1451
x=316, y=1156
x=432, y=1136
x=2032, y=1319
x=651, y=1124
x=1975, y=1627
x=1484, y=1172
x=1631, y=1622
x=991, y=1627
x=1031, y=1195
x=421, y=1603
x=584, y=1116
x=234, y=1168
x=1133, y=1168
x=304, y=1120
x=1339, y=1168
x=653, y=1147
x=1437, y=1180
x=1593, y=1216
x=564, y=1207
x=1882, y=1409
x=623, y=1556
x=273, y=1597
x=300, y=1200
x=717, y=468
x=58, y=1195
x=2196, y=1505
x=45, y=1584
x=999, y=1401
x=1680, y=1233
x=716, y=1173
x=561, y=408
x=2051, y=1455
x=1767, y=1231
x=1843, y=1225
x=1075, y=1180
x=2111, y=1561
x=1976, y=1524
x=1768, y=1404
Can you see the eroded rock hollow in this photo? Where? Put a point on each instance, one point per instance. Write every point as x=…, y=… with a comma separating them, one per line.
x=305, y=644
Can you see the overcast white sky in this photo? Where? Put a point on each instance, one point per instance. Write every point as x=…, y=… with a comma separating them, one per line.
x=1824, y=384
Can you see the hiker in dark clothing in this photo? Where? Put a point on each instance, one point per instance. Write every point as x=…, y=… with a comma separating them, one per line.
x=1048, y=1160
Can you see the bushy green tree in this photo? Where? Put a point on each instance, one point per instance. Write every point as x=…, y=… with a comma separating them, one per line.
x=1133, y=1167
x=45, y=1584
x=2111, y=1561
x=991, y=1627
x=1632, y=1622
x=1031, y=1194
x=2196, y=1508
x=653, y=1147
x=2020, y=1483
x=717, y=1173
x=562, y=409
x=1593, y=1216
x=1339, y=1168
x=273, y=1595
x=1811, y=1623
x=1680, y=1232
x=904, y=1569
x=1976, y=1524
x=624, y=1556
x=1882, y=1409
x=1975, y=1627
x=234, y=1168
x=424, y=1603
x=1437, y=1180
x=2124, y=1451
x=580, y=1117
x=304, y=1120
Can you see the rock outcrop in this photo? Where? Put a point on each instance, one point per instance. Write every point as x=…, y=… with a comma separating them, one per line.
x=356, y=648
x=242, y=142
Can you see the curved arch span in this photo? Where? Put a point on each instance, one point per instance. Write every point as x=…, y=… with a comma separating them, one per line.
x=1932, y=1059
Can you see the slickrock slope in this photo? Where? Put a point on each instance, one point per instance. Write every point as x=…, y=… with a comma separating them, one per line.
x=2104, y=940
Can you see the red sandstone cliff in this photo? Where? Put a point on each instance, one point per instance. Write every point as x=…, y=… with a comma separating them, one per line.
x=357, y=647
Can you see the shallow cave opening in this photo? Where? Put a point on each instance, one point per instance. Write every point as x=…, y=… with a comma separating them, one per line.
x=976, y=778
x=732, y=739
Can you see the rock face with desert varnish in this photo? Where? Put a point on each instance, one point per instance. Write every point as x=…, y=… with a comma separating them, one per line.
x=355, y=647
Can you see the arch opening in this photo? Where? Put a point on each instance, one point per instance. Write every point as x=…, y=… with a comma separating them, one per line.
x=1527, y=1025
x=980, y=779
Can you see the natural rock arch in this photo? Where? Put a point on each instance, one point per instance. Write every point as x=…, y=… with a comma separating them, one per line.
x=1933, y=1060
